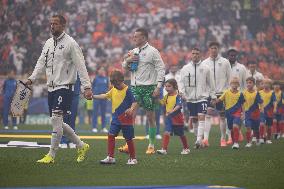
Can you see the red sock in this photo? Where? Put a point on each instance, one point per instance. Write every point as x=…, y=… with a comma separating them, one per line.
x=232, y=135
x=261, y=131
x=236, y=134
x=184, y=142
x=248, y=135
x=274, y=126
x=166, y=140
x=111, y=145
x=282, y=127
x=131, y=149
x=269, y=133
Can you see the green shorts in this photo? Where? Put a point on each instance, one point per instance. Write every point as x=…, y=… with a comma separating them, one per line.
x=143, y=96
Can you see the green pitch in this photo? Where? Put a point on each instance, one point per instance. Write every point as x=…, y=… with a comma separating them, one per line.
x=257, y=167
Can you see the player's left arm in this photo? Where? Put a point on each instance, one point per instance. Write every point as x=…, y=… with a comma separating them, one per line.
x=160, y=68
x=79, y=61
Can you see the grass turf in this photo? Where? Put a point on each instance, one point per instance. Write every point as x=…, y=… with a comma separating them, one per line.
x=257, y=167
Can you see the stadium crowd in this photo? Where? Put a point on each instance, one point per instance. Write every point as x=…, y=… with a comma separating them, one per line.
x=103, y=27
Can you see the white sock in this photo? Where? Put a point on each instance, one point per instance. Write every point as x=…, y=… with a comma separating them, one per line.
x=200, y=132
x=228, y=132
x=207, y=127
x=71, y=135
x=57, y=133
x=223, y=129
x=195, y=127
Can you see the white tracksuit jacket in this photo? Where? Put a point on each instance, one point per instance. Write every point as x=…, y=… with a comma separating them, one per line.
x=61, y=59
x=197, y=82
x=221, y=70
x=240, y=71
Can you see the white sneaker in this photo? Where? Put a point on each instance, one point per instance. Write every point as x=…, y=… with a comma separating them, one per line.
x=147, y=136
x=248, y=145
x=185, y=151
x=159, y=137
x=198, y=144
x=162, y=152
x=108, y=160
x=104, y=130
x=132, y=162
x=236, y=146
x=261, y=141
x=253, y=139
x=268, y=142
x=72, y=145
x=6, y=127
x=94, y=130
x=191, y=130
x=63, y=145
x=15, y=128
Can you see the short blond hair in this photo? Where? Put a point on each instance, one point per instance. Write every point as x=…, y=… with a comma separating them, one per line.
x=235, y=80
x=267, y=80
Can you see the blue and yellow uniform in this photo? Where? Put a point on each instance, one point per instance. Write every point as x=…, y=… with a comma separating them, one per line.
x=269, y=99
x=121, y=101
x=251, y=107
x=233, y=107
x=174, y=121
x=280, y=105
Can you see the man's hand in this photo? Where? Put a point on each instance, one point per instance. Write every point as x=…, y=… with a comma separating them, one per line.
x=28, y=82
x=131, y=58
x=88, y=94
x=156, y=92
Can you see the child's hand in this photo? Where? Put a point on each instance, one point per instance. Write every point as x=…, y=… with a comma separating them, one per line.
x=274, y=110
x=129, y=112
x=214, y=101
x=168, y=113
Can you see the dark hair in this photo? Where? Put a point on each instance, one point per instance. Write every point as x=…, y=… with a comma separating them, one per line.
x=214, y=43
x=143, y=31
x=232, y=50
x=276, y=83
x=116, y=76
x=195, y=49
x=251, y=79
x=62, y=19
x=251, y=62
x=173, y=82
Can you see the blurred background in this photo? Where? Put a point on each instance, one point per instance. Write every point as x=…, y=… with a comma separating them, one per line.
x=103, y=29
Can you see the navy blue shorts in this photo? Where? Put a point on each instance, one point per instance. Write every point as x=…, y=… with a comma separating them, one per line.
x=60, y=100
x=127, y=130
x=253, y=124
x=219, y=106
x=266, y=120
x=173, y=129
x=197, y=108
x=231, y=120
x=278, y=117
